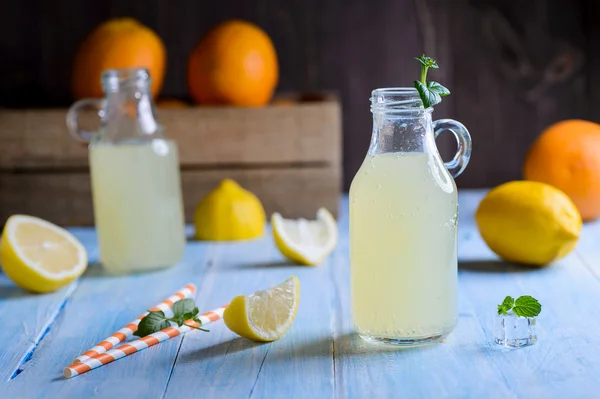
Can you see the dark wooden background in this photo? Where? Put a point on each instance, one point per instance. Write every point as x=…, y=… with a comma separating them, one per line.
x=513, y=66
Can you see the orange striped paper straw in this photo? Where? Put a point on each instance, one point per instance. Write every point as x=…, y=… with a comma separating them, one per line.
x=140, y=344
x=127, y=331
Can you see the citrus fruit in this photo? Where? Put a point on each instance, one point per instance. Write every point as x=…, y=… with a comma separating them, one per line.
x=38, y=255
x=117, y=43
x=528, y=222
x=265, y=315
x=567, y=156
x=307, y=242
x=229, y=213
x=235, y=63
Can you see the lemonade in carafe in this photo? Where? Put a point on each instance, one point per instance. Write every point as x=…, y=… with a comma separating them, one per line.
x=403, y=224
x=136, y=185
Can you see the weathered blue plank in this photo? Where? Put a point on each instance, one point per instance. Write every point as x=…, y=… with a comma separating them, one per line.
x=299, y=364
x=320, y=356
x=455, y=368
x=562, y=364
x=101, y=305
x=588, y=247
x=27, y=317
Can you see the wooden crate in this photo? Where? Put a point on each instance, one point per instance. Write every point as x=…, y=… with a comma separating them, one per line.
x=289, y=155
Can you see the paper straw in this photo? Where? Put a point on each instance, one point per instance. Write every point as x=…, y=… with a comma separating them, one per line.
x=140, y=344
x=127, y=331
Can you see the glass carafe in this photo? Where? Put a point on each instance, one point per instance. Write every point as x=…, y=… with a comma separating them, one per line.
x=136, y=185
x=403, y=224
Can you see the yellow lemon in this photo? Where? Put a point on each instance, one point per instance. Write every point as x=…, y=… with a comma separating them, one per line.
x=40, y=256
x=229, y=213
x=307, y=242
x=265, y=315
x=528, y=222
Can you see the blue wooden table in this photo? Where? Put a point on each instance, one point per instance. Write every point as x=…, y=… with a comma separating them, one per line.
x=320, y=356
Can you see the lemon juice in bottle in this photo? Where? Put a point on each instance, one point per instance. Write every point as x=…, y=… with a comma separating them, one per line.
x=403, y=225
x=136, y=187
x=141, y=227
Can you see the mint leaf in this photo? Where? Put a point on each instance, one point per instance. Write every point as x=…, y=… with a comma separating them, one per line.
x=431, y=93
x=506, y=305
x=182, y=311
x=190, y=315
x=429, y=98
x=153, y=322
x=438, y=89
x=182, y=307
x=427, y=62
x=527, y=306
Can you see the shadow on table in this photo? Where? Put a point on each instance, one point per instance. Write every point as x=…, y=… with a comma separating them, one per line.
x=495, y=266
x=224, y=348
x=97, y=270
x=346, y=345
x=9, y=290
x=263, y=265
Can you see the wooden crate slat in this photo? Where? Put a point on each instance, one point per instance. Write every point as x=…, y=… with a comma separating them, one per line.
x=300, y=133
x=65, y=198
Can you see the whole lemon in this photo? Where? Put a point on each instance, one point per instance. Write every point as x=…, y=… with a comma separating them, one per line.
x=528, y=222
x=229, y=213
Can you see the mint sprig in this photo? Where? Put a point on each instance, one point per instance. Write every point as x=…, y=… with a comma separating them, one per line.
x=524, y=306
x=431, y=93
x=506, y=305
x=183, y=311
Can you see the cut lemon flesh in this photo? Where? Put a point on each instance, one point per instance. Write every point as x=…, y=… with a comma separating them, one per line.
x=307, y=242
x=40, y=256
x=265, y=315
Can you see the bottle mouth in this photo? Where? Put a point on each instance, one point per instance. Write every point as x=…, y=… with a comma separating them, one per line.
x=114, y=80
x=403, y=101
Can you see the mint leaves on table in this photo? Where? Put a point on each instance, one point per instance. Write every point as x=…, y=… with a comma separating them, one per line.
x=183, y=310
x=431, y=93
x=506, y=305
x=524, y=306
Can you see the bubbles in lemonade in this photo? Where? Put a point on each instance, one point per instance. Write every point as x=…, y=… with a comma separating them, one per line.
x=137, y=204
x=403, y=215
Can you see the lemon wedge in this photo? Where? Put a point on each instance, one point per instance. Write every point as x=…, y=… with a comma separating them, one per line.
x=265, y=315
x=38, y=255
x=307, y=242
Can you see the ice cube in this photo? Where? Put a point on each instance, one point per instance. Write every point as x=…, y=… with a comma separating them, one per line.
x=513, y=331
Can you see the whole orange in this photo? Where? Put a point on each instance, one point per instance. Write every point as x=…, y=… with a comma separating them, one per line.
x=567, y=156
x=117, y=43
x=235, y=63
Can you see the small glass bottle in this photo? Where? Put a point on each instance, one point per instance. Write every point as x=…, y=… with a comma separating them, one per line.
x=136, y=184
x=403, y=224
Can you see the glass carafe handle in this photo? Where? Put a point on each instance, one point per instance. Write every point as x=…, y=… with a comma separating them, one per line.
x=463, y=142
x=95, y=105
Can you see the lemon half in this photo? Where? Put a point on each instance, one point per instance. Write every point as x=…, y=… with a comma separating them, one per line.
x=265, y=315
x=307, y=242
x=40, y=256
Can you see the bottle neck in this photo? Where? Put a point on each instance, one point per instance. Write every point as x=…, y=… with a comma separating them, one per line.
x=401, y=135
x=129, y=112
x=400, y=123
